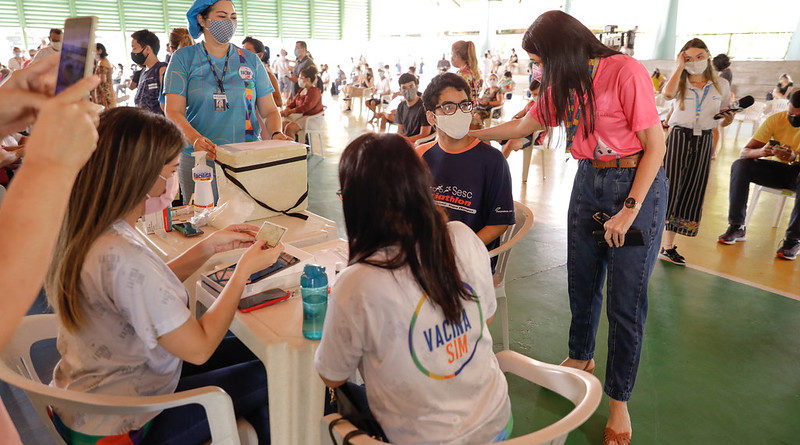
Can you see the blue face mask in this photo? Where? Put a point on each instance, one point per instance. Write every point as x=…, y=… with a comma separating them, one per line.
x=222, y=30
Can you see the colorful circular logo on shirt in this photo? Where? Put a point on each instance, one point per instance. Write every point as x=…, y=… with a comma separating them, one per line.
x=441, y=349
x=245, y=72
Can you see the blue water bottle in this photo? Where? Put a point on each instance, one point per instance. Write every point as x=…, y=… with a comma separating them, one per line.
x=314, y=289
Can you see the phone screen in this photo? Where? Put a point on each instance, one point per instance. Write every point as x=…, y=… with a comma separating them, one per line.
x=187, y=229
x=77, y=51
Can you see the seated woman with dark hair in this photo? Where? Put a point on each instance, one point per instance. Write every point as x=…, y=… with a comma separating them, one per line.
x=412, y=309
x=307, y=102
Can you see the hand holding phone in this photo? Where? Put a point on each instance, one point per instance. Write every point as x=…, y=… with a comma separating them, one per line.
x=77, y=51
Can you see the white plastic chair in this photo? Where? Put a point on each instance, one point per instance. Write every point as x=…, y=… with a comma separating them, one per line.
x=17, y=369
x=753, y=114
x=523, y=222
x=527, y=154
x=426, y=139
x=783, y=196
x=313, y=131
x=581, y=388
x=381, y=105
x=778, y=105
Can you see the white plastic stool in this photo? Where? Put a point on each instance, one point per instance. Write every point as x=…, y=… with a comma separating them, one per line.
x=783, y=196
x=313, y=131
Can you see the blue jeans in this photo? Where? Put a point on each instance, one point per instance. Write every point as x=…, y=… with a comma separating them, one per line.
x=233, y=368
x=185, y=178
x=768, y=173
x=627, y=268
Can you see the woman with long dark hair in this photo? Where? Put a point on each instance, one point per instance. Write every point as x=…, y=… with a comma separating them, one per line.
x=605, y=101
x=412, y=308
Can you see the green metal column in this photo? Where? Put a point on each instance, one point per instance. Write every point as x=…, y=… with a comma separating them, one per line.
x=665, y=39
x=22, y=24
x=341, y=19
x=279, y=4
x=244, y=14
x=568, y=6
x=793, y=52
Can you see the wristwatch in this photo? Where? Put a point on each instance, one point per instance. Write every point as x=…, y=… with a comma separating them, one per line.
x=631, y=203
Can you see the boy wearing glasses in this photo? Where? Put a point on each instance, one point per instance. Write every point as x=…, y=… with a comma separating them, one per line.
x=471, y=179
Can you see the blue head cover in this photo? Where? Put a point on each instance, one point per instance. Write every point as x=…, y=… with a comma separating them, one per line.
x=191, y=16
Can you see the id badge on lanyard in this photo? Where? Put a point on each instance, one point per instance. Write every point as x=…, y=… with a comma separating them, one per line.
x=220, y=101
x=696, y=130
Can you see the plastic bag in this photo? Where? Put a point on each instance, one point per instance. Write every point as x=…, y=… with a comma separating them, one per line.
x=235, y=208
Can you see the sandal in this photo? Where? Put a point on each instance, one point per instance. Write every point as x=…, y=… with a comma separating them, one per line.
x=589, y=367
x=611, y=436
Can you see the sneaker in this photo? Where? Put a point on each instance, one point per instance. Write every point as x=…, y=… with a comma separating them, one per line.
x=789, y=249
x=672, y=256
x=732, y=235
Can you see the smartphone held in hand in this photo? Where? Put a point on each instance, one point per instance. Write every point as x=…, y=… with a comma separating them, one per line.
x=77, y=51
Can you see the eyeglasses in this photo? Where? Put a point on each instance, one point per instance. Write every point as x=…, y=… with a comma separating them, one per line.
x=449, y=108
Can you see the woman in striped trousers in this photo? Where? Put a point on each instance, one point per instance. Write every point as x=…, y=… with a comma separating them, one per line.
x=699, y=95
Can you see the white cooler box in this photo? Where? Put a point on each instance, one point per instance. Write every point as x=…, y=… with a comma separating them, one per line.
x=273, y=174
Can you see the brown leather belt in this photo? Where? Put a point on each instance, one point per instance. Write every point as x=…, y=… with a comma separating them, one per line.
x=627, y=162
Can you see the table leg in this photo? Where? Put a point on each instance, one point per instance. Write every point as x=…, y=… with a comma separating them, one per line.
x=296, y=394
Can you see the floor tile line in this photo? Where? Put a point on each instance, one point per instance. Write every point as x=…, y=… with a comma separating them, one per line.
x=743, y=281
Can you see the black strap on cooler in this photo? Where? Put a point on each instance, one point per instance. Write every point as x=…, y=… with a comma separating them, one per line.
x=287, y=212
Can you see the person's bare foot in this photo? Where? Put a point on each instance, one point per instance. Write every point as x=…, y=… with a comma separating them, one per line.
x=619, y=421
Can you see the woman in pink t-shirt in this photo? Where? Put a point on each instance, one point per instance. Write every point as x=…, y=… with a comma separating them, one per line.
x=605, y=101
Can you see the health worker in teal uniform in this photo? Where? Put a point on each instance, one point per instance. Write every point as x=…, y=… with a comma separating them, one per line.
x=215, y=91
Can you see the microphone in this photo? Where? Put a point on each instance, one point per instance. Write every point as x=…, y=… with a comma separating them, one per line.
x=738, y=106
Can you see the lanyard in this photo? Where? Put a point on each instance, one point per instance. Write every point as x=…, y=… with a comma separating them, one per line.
x=220, y=83
x=699, y=102
x=249, y=85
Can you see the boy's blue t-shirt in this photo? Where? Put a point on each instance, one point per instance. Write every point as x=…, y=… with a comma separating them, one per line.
x=189, y=75
x=473, y=186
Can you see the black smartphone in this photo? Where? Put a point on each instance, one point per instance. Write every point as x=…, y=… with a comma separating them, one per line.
x=187, y=229
x=774, y=143
x=263, y=299
x=633, y=237
x=77, y=51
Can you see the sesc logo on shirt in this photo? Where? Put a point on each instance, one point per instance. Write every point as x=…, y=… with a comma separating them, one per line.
x=440, y=349
x=245, y=72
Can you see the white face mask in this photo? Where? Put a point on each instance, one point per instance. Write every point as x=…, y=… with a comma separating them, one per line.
x=301, y=83
x=56, y=46
x=696, y=67
x=456, y=125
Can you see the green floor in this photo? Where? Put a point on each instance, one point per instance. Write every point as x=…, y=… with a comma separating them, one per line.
x=720, y=364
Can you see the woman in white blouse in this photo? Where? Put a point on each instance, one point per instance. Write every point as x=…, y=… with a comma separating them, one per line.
x=125, y=328
x=699, y=95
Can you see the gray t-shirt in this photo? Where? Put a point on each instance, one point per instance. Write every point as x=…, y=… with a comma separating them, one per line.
x=411, y=118
x=130, y=298
x=298, y=67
